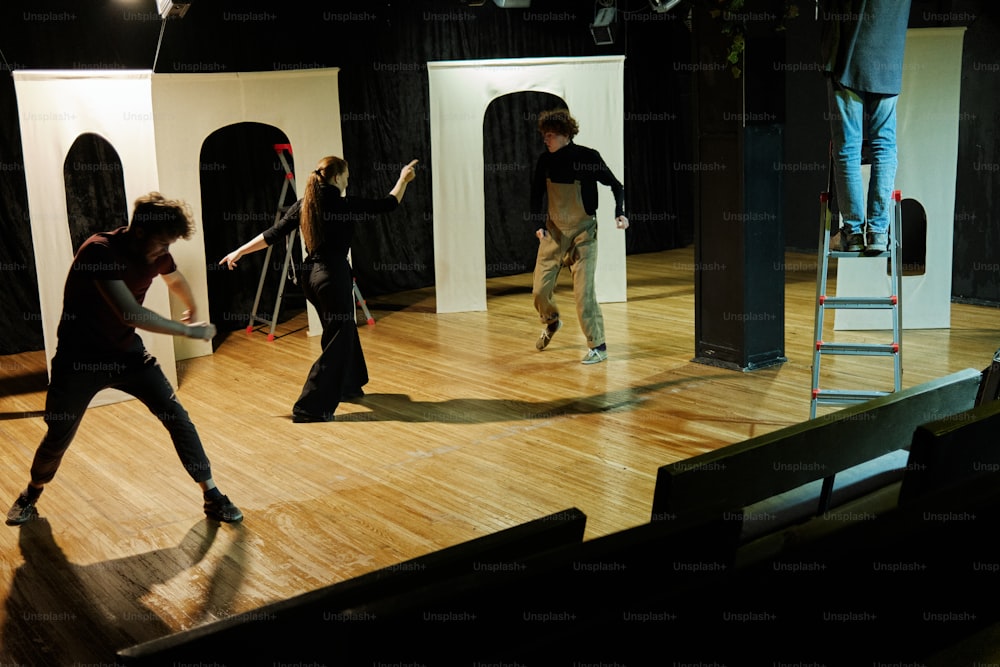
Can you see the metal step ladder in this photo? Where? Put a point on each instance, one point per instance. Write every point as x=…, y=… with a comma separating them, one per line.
x=288, y=268
x=891, y=302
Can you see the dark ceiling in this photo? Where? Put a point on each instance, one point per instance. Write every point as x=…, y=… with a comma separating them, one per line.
x=260, y=35
x=250, y=35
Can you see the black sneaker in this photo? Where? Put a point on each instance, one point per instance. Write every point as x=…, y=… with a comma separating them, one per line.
x=221, y=509
x=22, y=511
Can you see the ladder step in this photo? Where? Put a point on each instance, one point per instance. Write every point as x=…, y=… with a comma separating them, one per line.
x=875, y=302
x=861, y=255
x=860, y=349
x=838, y=396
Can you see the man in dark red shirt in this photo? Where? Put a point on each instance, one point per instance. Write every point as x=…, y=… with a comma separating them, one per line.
x=98, y=347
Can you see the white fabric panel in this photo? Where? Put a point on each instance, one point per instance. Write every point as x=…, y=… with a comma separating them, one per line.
x=460, y=92
x=158, y=124
x=56, y=107
x=927, y=136
x=304, y=104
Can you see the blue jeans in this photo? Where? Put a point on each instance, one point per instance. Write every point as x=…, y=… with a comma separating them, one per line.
x=855, y=116
x=75, y=382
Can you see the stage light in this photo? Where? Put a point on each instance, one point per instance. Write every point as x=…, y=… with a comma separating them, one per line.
x=662, y=6
x=170, y=10
x=603, y=26
x=513, y=4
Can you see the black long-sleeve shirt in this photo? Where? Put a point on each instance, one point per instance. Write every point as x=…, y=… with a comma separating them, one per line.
x=339, y=215
x=573, y=163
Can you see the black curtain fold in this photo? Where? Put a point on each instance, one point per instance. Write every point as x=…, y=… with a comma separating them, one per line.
x=20, y=310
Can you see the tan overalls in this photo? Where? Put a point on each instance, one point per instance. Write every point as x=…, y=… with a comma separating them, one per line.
x=571, y=241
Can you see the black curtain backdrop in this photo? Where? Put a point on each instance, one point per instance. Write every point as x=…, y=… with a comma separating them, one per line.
x=20, y=311
x=976, y=266
x=382, y=49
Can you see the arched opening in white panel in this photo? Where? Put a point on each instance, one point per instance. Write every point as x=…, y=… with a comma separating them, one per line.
x=95, y=188
x=511, y=146
x=914, y=242
x=242, y=177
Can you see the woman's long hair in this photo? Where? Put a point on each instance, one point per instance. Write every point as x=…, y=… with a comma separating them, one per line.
x=311, y=215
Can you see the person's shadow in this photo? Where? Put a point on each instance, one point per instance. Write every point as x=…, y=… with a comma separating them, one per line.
x=400, y=407
x=60, y=613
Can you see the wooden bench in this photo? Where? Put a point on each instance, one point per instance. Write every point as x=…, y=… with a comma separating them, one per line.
x=952, y=451
x=803, y=470
x=910, y=568
x=907, y=580
x=611, y=596
x=317, y=622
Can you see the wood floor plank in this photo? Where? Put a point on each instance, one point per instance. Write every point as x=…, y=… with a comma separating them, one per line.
x=465, y=430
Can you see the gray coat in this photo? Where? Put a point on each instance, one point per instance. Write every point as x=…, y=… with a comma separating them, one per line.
x=862, y=43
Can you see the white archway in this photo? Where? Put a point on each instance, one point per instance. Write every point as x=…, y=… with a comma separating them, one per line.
x=460, y=92
x=927, y=136
x=157, y=123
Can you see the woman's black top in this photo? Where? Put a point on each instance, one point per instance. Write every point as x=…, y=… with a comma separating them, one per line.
x=338, y=218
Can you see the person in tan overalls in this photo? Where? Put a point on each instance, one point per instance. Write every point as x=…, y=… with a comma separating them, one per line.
x=567, y=176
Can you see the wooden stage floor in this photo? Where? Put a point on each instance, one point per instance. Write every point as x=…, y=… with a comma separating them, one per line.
x=465, y=430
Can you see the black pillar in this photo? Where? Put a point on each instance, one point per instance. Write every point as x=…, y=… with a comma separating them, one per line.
x=739, y=225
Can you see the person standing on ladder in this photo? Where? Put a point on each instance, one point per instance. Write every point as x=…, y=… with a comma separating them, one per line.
x=326, y=216
x=862, y=44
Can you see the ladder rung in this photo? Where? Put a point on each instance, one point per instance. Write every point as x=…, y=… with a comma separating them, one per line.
x=258, y=318
x=859, y=254
x=860, y=349
x=830, y=396
x=874, y=302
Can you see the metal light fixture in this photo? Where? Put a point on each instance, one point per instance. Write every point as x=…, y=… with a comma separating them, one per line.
x=170, y=10
x=604, y=20
x=663, y=6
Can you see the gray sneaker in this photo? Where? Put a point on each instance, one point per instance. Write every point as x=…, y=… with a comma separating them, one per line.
x=594, y=356
x=546, y=337
x=22, y=511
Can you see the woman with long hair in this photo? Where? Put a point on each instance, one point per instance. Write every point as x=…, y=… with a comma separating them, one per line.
x=326, y=216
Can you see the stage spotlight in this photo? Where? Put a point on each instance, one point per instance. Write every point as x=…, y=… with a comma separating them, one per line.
x=662, y=6
x=513, y=4
x=603, y=26
x=171, y=10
